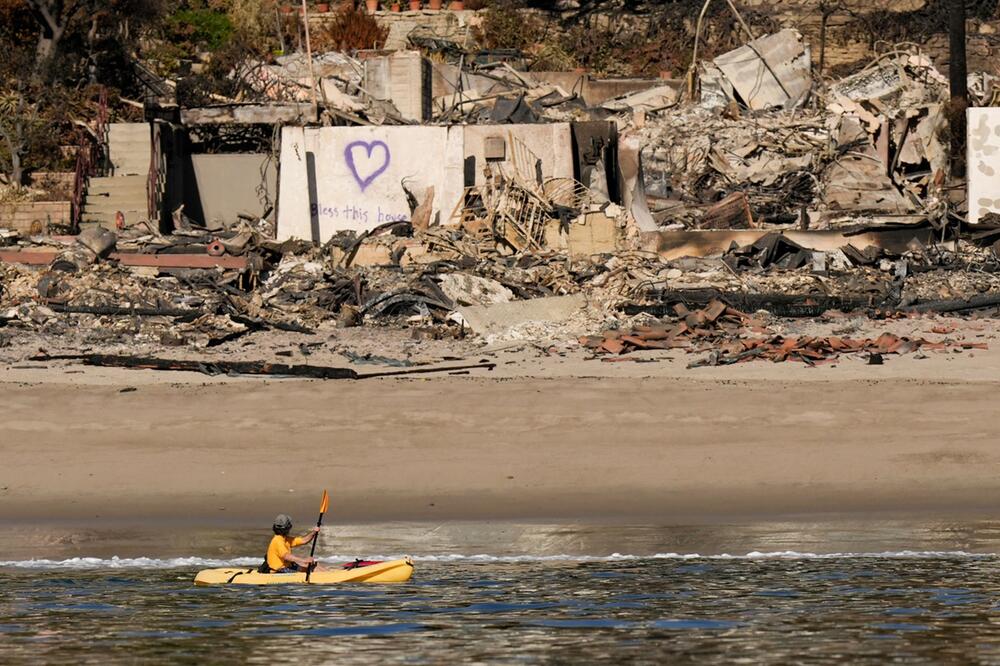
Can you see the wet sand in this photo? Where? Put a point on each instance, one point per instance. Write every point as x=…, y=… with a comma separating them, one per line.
x=672, y=446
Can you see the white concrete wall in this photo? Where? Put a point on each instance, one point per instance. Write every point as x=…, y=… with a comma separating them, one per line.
x=551, y=143
x=359, y=175
x=983, y=162
x=359, y=171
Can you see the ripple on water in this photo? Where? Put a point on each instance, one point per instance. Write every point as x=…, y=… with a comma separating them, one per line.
x=681, y=625
x=722, y=610
x=365, y=630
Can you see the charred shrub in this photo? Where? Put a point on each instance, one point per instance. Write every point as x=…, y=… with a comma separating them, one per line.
x=505, y=25
x=350, y=30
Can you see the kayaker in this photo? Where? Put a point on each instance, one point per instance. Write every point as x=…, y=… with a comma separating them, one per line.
x=279, y=557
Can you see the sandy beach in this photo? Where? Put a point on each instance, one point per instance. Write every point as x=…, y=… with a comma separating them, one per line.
x=542, y=437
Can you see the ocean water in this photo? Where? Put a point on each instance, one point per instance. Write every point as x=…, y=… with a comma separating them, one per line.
x=825, y=605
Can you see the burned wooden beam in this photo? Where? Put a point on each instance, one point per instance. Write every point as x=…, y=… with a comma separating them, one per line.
x=482, y=365
x=244, y=367
x=217, y=367
x=258, y=324
x=782, y=305
x=124, y=311
x=956, y=304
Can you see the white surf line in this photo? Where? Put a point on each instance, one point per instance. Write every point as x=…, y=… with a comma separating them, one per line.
x=201, y=562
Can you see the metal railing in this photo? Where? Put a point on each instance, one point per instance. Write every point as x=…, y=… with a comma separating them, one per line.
x=156, y=179
x=91, y=158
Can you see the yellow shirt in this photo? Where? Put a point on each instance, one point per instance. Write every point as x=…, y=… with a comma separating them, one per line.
x=279, y=547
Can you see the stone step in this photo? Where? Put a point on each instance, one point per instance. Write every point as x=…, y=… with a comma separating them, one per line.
x=114, y=203
x=129, y=165
x=117, y=184
x=116, y=193
x=107, y=220
x=128, y=129
x=128, y=152
x=132, y=155
x=130, y=169
x=129, y=148
x=116, y=180
x=130, y=141
x=111, y=207
x=125, y=194
x=104, y=201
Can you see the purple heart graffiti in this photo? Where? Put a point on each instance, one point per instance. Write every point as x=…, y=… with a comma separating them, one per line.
x=371, y=168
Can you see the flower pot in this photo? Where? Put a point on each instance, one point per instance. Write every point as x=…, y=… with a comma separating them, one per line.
x=414, y=5
x=434, y=4
x=322, y=7
x=456, y=5
x=371, y=6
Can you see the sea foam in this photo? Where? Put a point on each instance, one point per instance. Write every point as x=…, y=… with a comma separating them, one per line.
x=482, y=558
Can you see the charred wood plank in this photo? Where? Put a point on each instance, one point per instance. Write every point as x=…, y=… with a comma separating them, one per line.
x=245, y=367
x=782, y=305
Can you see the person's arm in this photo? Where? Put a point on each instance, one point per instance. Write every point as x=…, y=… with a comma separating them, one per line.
x=305, y=538
x=301, y=561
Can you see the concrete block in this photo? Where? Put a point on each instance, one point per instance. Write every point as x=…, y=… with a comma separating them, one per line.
x=591, y=233
x=486, y=319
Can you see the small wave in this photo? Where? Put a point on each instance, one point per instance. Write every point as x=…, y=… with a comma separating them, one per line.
x=753, y=555
x=202, y=562
x=129, y=563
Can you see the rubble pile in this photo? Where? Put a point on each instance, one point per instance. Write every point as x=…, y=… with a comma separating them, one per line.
x=730, y=336
x=825, y=196
x=864, y=151
x=299, y=287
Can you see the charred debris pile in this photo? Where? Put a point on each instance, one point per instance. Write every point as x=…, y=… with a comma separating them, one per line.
x=752, y=187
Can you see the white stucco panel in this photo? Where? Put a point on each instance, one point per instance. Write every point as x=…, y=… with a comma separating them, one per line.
x=984, y=162
x=357, y=173
x=358, y=176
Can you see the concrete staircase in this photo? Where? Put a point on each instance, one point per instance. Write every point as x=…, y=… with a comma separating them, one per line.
x=124, y=190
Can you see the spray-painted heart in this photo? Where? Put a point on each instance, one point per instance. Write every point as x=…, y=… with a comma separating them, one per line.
x=367, y=168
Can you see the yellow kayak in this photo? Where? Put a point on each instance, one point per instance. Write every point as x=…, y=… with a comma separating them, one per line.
x=395, y=571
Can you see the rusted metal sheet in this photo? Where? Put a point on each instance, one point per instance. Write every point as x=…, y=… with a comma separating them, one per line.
x=730, y=336
x=45, y=257
x=36, y=258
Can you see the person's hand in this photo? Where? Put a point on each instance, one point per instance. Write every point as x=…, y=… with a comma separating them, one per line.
x=315, y=530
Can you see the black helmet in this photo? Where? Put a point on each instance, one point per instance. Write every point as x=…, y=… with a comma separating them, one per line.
x=282, y=524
